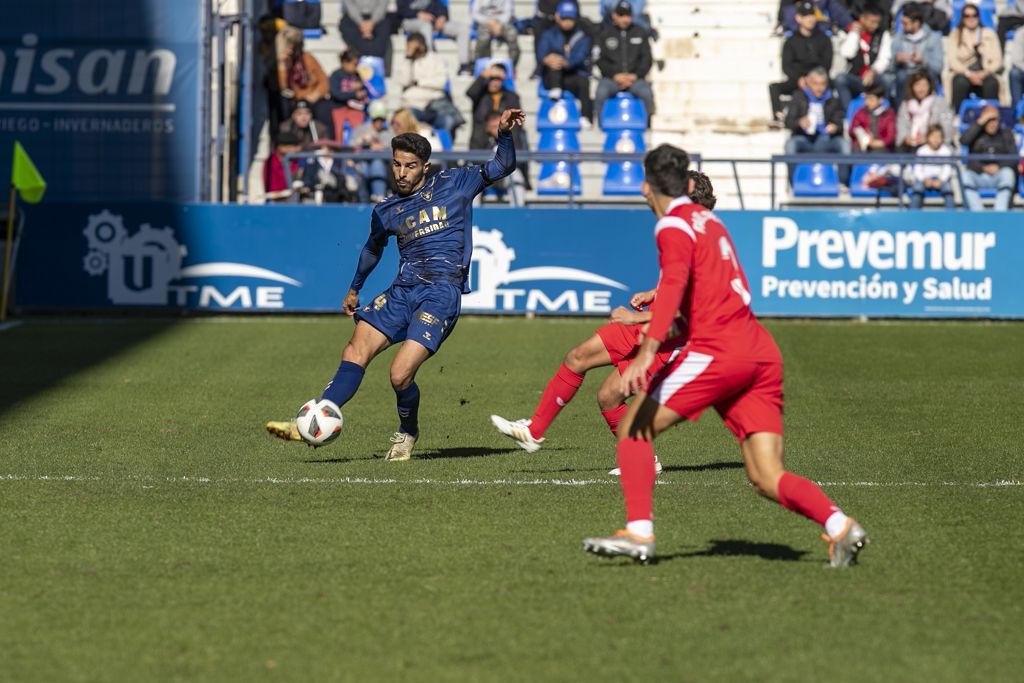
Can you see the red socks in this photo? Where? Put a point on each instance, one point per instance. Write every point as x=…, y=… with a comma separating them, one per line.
x=803, y=496
x=636, y=461
x=556, y=396
x=614, y=416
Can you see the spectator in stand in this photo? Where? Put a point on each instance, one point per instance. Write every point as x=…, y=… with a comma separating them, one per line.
x=917, y=48
x=935, y=13
x=808, y=48
x=346, y=85
x=1015, y=55
x=1011, y=18
x=932, y=176
x=922, y=108
x=974, y=58
x=867, y=49
x=375, y=137
x=328, y=179
x=988, y=136
x=565, y=64
x=301, y=77
x=428, y=17
x=873, y=128
x=816, y=120
x=829, y=13
x=275, y=182
x=489, y=96
x=404, y=121
x=640, y=17
x=365, y=28
x=514, y=185
x=306, y=129
x=624, y=59
x=424, y=79
x=494, y=20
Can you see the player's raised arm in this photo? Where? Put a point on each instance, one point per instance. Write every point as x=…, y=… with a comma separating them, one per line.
x=368, y=259
x=504, y=161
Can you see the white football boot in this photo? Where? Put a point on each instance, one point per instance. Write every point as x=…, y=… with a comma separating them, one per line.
x=401, y=447
x=657, y=469
x=518, y=431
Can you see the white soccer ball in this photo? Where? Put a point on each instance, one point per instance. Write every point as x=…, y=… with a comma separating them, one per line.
x=319, y=422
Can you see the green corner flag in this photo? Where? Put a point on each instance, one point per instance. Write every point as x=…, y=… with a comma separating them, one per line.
x=25, y=177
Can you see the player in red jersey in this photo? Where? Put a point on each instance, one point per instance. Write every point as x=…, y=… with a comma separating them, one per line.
x=730, y=362
x=615, y=344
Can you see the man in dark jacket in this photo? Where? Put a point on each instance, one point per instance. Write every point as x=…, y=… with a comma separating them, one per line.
x=625, y=59
x=808, y=48
x=832, y=13
x=988, y=136
x=489, y=96
x=816, y=120
x=565, y=61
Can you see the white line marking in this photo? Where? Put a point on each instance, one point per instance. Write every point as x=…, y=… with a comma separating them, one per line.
x=9, y=325
x=288, y=481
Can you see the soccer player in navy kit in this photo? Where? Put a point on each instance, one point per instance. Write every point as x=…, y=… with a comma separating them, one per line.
x=431, y=219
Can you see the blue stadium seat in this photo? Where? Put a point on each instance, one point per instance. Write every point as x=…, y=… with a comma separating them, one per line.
x=624, y=112
x=371, y=70
x=554, y=179
x=484, y=62
x=445, y=137
x=857, y=188
x=624, y=177
x=563, y=113
x=558, y=140
x=856, y=104
x=815, y=180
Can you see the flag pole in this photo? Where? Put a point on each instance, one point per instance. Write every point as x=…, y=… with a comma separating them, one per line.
x=7, y=252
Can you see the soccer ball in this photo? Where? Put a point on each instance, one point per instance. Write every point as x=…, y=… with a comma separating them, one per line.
x=319, y=422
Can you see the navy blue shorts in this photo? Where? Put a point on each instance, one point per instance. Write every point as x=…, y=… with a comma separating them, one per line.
x=423, y=313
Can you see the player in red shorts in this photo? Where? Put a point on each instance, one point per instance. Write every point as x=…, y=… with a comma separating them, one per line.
x=614, y=344
x=730, y=362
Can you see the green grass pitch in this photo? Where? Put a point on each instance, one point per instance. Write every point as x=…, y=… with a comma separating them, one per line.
x=153, y=532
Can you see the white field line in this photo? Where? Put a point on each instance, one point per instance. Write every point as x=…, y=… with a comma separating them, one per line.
x=9, y=325
x=288, y=481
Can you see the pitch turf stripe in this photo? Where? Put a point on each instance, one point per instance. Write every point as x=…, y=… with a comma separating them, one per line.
x=187, y=479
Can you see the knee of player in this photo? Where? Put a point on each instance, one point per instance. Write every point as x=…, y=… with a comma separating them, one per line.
x=352, y=354
x=401, y=378
x=576, y=360
x=609, y=398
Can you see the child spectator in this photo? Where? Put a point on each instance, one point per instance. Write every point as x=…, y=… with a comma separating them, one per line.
x=873, y=128
x=932, y=176
x=988, y=136
x=565, y=61
x=921, y=109
x=974, y=58
x=867, y=49
x=346, y=85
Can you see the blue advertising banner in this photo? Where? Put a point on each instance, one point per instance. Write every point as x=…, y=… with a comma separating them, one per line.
x=301, y=258
x=105, y=96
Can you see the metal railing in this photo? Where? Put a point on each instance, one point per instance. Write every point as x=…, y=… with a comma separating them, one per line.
x=573, y=159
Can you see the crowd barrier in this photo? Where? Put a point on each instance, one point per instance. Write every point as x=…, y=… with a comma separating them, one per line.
x=558, y=261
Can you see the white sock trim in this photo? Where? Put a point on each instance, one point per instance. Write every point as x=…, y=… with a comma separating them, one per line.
x=835, y=524
x=641, y=527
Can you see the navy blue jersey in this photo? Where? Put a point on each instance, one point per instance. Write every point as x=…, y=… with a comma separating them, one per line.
x=434, y=226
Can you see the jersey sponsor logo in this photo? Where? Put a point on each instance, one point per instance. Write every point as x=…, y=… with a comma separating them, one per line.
x=424, y=222
x=491, y=270
x=379, y=303
x=145, y=267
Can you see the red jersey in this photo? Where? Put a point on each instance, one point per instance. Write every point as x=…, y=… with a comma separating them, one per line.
x=701, y=280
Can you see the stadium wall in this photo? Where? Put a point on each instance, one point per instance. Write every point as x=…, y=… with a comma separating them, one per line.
x=559, y=261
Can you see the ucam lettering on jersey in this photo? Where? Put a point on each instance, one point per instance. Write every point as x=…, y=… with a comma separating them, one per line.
x=915, y=266
x=145, y=268
x=491, y=275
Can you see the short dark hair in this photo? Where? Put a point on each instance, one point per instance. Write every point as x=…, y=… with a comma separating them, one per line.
x=872, y=9
x=937, y=127
x=417, y=37
x=413, y=143
x=703, y=191
x=876, y=89
x=499, y=65
x=350, y=55
x=666, y=170
x=914, y=12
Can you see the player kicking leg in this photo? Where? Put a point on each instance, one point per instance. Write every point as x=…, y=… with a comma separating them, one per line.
x=614, y=344
x=730, y=363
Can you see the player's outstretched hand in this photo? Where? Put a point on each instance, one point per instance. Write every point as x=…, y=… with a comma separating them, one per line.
x=510, y=118
x=641, y=300
x=351, y=302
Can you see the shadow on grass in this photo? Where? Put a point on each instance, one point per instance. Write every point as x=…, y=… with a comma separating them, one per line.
x=464, y=452
x=734, y=548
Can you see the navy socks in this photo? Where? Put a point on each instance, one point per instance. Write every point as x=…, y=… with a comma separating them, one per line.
x=346, y=381
x=408, y=408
